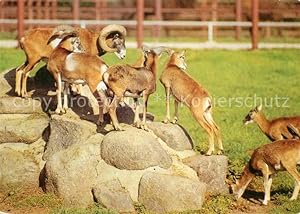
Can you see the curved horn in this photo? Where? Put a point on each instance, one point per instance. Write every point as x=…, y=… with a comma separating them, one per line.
x=62, y=32
x=106, y=31
x=160, y=49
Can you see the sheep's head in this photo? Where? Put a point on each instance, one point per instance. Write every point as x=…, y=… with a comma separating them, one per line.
x=112, y=39
x=67, y=37
x=250, y=117
x=178, y=59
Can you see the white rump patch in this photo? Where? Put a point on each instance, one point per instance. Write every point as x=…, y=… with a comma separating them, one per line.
x=54, y=43
x=71, y=63
x=277, y=166
x=79, y=81
x=248, y=122
x=103, y=69
x=101, y=86
x=207, y=105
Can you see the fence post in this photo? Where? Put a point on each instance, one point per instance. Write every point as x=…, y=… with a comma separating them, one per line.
x=238, y=18
x=255, y=20
x=54, y=9
x=1, y=14
x=158, y=16
x=20, y=11
x=30, y=11
x=39, y=9
x=47, y=9
x=75, y=9
x=140, y=24
x=210, y=32
x=214, y=7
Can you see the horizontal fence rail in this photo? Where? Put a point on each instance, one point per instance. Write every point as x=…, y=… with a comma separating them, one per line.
x=151, y=23
x=132, y=23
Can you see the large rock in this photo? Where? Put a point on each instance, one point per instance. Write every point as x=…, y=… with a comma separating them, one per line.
x=18, y=105
x=133, y=149
x=168, y=193
x=66, y=130
x=113, y=196
x=175, y=136
x=25, y=128
x=21, y=164
x=7, y=82
x=211, y=170
x=71, y=173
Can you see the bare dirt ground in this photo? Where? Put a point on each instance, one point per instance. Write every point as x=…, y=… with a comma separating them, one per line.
x=34, y=201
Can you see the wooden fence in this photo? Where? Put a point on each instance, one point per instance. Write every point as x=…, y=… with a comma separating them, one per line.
x=140, y=10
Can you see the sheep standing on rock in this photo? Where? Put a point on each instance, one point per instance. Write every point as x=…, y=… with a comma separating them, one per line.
x=69, y=65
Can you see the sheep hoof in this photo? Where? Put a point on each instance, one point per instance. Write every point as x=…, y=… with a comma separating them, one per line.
x=99, y=123
x=25, y=96
x=220, y=152
x=18, y=92
x=145, y=127
x=175, y=120
x=166, y=120
x=137, y=124
x=209, y=153
x=119, y=128
x=60, y=111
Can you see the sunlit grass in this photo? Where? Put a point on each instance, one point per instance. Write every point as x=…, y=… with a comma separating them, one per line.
x=235, y=79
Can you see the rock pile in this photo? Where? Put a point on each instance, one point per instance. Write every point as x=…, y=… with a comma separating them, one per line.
x=68, y=156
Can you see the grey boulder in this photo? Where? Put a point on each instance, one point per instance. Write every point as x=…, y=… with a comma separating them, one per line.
x=23, y=128
x=133, y=149
x=211, y=170
x=66, y=130
x=175, y=136
x=162, y=193
x=113, y=196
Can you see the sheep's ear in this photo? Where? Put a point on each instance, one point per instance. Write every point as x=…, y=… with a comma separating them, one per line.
x=259, y=108
x=170, y=51
x=145, y=48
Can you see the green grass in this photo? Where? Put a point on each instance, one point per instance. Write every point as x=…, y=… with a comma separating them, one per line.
x=95, y=209
x=234, y=79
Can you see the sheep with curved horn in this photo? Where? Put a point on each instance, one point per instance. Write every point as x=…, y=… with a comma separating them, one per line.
x=36, y=47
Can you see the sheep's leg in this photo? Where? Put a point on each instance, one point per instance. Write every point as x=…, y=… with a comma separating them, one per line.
x=216, y=130
x=59, y=108
x=199, y=116
x=25, y=74
x=136, y=113
x=112, y=112
x=79, y=89
x=145, y=104
x=293, y=171
x=19, y=73
x=101, y=98
x=176, y=112
x=167, y=119
x=267, y=183
x=66, y=92
x=24, y=85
